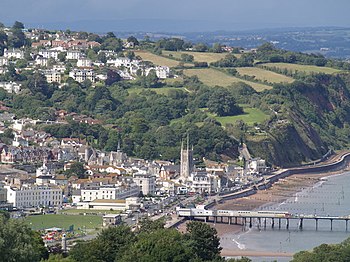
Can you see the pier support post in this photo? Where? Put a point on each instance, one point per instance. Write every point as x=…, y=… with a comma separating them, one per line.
x=316, y=223
x=279, y=223
x=250, y=222
x=265, y=222
x=273, y=223
x=287, y=226
x=229, y=220
x=346, y=225
x=331, y=224
x=244, y=221
x=236, y=220
x=301, y=224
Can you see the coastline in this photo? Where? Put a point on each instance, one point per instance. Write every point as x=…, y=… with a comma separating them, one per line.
x=278, y=193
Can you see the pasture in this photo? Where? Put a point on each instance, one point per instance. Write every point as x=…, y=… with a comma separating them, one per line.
x=212, y=77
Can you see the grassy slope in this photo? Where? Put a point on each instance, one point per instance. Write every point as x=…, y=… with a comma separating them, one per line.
x=263, y=75
x=157, y=60
x=212, y=77
x=63, y=221
x=304, y=68
x=198, y=56
x=162, y=91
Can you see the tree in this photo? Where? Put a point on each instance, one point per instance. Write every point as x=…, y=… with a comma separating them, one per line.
x=132, y=39
x=18, y=25
x=76, y=169
x=101, y=56
x=223, y=103
x=19, y=243
x=205, y=244
x=163, y=245
x=108, y=246
x=112, y=77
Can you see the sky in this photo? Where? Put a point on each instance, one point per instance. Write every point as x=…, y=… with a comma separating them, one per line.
x=178, y=15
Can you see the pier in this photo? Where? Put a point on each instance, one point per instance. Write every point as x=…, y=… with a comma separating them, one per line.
x=280, y=219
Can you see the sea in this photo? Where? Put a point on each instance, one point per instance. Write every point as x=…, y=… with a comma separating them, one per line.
x=330, y=196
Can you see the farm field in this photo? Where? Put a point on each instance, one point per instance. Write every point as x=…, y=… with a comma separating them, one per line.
x=198, y=56
x=158, y=60
x=309, y=69
x=212, y=77
x=37, y=222
x=264, y=75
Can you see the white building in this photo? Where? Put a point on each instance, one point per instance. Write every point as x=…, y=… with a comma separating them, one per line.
x=48, y=53
x=147, y=183
x=34, y=196
x=3, y=61
x=162, y=72
x=256, y=166
x=14, y=53
x=203, y=182
x=41, y=61
x=80, y=75
x=109, y=192
x=52, y=76
x=74, y=55
x=84, y=62
x=11, y=87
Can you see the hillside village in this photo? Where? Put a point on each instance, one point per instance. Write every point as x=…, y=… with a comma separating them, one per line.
x=41, y=170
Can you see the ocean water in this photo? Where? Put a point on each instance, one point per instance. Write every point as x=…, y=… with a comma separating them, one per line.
x=330, y=197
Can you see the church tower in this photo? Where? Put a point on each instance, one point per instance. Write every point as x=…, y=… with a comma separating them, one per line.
x=186, y=166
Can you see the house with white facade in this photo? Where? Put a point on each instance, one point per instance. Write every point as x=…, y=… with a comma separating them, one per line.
x=109, y=192
x=4, y=61
x=34, y=196
x=80, y=75
x=84, y=62
x=41, y=61
x=52, y=76
x=74, y=55
x=14, y=53
x=146, y=183
x=11, y=87
x=49, y=53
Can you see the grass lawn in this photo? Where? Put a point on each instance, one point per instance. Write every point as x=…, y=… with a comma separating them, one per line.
x=262, y=74
x=212, y=77
x=304, y=68
x=198, y=56
x=63, y=221
x=250, y=116
x=156, y=59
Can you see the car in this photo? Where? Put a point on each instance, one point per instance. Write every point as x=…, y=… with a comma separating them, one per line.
x=133, y=219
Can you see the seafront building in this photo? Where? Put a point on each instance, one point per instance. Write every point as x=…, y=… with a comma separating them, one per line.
x=28, y=196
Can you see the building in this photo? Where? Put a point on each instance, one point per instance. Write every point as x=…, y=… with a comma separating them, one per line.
x=186, y=166
x=34, y=196
x=48, y=53
x=80, y=75
x=89, y=194
x=41, y=61
x=203, y=182
x=11, y=87
x=74, y=55
x=256, y=166
x=14, y=53
x=52, y=76
x=146, y=183
x=111, y=220
x=3, y=61
x=84, y=62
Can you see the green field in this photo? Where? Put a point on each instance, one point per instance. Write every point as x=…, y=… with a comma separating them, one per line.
x=198, y=56
x=63, y=221
x=303, y=68
x=88, y=211
x=264, y=75
x=250, y=116
x=158, y=60
x=212, y=77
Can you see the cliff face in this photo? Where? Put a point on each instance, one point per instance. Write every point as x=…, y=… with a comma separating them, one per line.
x=316, y=117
